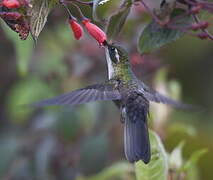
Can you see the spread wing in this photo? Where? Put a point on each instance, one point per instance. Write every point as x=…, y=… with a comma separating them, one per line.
x=153, y=95
x=98, y=92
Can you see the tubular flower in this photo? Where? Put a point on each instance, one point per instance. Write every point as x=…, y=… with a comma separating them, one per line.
x=11, y=4
x=95, y=31
x=76, y=28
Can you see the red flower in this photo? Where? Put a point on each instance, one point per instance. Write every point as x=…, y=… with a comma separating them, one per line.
x=76, y=28
x=10, y=16
x=11, y=4
x=95, y=31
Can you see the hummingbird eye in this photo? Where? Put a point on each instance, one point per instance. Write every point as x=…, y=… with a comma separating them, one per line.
x=114, y=56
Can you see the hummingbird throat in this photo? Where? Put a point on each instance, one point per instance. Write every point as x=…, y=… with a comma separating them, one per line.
x=111, y=70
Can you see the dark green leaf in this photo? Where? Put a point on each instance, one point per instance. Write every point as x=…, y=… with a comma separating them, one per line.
x=96, y=3
x=193, y=159
x=154, y=36
x=117, y=21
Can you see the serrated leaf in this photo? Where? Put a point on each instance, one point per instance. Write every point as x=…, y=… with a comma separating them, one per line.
x=154, y=36
x=157, y=168
x=117, y=21
x=38, y=15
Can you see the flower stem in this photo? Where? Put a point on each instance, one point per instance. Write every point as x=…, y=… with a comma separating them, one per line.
x=197, y=20
x=67, y=9
x=89, y=3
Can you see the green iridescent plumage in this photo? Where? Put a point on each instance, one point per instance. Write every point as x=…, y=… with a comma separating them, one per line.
x=129, y=94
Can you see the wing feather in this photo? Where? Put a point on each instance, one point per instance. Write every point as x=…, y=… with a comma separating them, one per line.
x=155, y=96
x=98, y=92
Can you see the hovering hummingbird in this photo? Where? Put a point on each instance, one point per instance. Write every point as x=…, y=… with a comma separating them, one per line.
x=129, y=94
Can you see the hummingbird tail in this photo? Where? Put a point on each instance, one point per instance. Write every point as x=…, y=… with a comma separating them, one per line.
x=136, y=137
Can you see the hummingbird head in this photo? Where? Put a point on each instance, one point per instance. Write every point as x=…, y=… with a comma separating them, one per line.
x=117, y=60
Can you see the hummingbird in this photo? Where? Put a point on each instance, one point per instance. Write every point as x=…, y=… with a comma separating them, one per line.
x=129, y=94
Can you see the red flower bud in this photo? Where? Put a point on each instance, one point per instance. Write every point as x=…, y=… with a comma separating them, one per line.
x=76, y=28
x=203, y=35
x=196, y=9
x=95, y=31
x=200, y=25
x=195, y=26
x=204, y=24
x=11, y=4
x=10, y=16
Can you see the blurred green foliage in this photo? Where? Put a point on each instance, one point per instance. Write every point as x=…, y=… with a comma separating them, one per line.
x=85, y=142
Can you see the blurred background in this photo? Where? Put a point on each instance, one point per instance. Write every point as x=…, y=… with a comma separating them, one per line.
x=86, y=141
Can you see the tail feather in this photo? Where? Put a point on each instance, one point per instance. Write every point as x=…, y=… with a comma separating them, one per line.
x=136, y=141
x=136, y=137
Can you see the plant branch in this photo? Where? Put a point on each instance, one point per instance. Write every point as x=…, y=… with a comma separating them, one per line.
x=67, y=9
x=197, y=20
x=152, y=14
x=89, y=3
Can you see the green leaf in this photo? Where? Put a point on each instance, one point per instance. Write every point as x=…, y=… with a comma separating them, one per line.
x=176, y=157
x=154, y=36
x=97, y=3
x=194, y=159
x=38, y=15
x=117, y=20
x=157, y=169
x=116, y=170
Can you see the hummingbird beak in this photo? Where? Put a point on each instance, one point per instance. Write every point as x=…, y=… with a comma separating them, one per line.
x=105, y=43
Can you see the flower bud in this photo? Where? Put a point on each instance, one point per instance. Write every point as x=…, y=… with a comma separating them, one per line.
x=10, y=16
x=203, y=35
x=95, y=31
x=76, y=28
x=196, y=9
x=11, y=4
x=195, y=26
x=204, y=24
